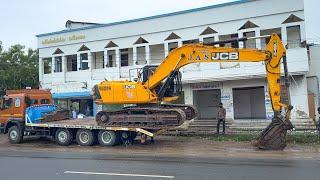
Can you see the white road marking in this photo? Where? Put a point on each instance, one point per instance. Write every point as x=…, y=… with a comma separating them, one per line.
x=118, y=174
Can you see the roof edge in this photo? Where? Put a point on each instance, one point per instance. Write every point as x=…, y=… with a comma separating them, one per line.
x=148, y=17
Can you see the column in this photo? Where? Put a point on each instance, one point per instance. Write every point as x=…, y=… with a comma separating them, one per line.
x=40, y=70
x=64, y=67
x=179, y=43
x=106, y=58
x=284, y=35
x=118, y=63
x=147, y=50
x=216, y=38
x=201, y=39
x=78, y=62
x=240, y=35
x=166, y=49
x=258, y=41
x=90, y=64
x=135, y=55
x=53, y=65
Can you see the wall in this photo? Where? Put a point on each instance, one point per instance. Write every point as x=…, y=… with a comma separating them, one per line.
x=314, y=75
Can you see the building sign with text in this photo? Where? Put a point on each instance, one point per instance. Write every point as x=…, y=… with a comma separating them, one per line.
x=61, y=39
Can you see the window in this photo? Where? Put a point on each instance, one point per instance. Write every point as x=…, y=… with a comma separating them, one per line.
x=58, y=64
x=172, y=46
x=208, y=40
x=17, y=102
x=265, y=41
x=111, y=61
x=192, y=41
x=124, y=57
x=84, y=62
x=72, y=63
x=156, y=53
x=98, y=60
x=250, y=43
x=34, y=101
x=7, y=103
x=44, y=101
x=141, y=55
x=47, y=65
x=293, y=35
x=228, y=37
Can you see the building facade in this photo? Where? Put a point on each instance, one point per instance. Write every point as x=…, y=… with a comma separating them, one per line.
x=73, y=60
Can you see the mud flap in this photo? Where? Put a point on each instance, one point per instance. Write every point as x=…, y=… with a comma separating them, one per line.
x=274, y=136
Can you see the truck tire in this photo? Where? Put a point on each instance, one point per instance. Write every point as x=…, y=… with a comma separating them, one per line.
x=63, y=137
x=128, y=135
x=85, y=137
x=107, y=138
x=15, y=135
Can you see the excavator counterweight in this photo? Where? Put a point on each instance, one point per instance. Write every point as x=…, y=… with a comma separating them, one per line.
x=158, y=85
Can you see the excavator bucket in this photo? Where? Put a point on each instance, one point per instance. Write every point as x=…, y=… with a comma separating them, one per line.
x=274, y=136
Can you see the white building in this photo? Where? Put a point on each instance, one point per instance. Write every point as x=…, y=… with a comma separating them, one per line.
x=73, y=60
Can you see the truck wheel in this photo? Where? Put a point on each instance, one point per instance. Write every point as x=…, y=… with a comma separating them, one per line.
x=107, y=138
x=128, y=135
x=133, y=135
x=63, y=137
x=84, y=137
x=15, y=135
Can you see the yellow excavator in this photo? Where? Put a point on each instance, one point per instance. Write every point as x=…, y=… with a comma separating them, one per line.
x=149, y=96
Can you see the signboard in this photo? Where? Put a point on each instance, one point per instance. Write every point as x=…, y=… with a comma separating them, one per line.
x=60, y=39
x=206, y=85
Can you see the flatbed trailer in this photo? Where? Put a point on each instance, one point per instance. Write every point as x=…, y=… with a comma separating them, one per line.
x=84, y=131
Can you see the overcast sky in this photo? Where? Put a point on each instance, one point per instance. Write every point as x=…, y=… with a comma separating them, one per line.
x=21, y=20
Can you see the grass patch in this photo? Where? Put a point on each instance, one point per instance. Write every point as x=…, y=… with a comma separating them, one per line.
x=296, y=138
x=234, y=137
x=303, y=138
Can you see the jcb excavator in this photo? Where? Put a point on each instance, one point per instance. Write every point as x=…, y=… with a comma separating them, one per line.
x=156, y=86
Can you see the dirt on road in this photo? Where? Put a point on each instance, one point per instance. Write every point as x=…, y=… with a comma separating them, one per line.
x=170, y=146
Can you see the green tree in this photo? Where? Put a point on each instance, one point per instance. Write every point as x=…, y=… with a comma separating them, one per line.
x=18, y=68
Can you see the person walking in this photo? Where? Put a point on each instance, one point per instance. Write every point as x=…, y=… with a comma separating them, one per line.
x=221, y=116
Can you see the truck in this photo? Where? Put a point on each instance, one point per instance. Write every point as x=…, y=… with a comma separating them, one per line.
x=24, y=113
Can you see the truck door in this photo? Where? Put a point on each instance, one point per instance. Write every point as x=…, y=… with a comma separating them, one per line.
x=6, y=110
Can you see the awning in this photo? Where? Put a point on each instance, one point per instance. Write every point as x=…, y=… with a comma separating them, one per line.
x=71, y=95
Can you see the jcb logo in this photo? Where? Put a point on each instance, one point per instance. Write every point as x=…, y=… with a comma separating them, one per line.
x=225, y=56
x=129, y=86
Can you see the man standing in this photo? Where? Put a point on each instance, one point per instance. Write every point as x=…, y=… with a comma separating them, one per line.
x=318, y=124
x=221, y=115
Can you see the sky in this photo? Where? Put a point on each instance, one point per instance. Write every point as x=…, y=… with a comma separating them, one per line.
x=21, y=20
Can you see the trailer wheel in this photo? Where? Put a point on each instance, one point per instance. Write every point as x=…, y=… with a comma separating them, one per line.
x=128, y=135
x=15, y=135
x=85, y=137
x=63, y=137
x=107, y=138
x=133, y=135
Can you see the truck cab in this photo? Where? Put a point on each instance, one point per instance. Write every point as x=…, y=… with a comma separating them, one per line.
x=15, y=102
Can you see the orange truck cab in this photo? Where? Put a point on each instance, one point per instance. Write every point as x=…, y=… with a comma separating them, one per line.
x=15, y=102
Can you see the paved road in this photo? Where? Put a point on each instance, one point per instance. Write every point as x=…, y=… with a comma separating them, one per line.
x=79, y=166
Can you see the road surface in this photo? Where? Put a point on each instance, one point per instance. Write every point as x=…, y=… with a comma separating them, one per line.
x=80, y=166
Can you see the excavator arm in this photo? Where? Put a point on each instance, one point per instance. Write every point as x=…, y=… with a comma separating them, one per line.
x=274, y=136
x=199, y=53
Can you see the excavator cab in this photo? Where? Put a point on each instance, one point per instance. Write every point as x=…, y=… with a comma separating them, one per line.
x=170, y=87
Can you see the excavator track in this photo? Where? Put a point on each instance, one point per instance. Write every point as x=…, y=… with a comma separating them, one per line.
x=142, y=117
x=190, y=111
